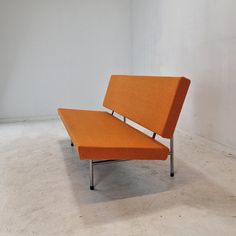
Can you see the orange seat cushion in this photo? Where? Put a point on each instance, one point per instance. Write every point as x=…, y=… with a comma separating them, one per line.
x=100, y=136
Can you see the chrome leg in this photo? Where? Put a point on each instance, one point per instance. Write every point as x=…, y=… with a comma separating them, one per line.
x=172, y=157
x=91, y=175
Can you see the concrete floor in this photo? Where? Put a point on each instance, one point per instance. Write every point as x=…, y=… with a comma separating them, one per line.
x=44, y=188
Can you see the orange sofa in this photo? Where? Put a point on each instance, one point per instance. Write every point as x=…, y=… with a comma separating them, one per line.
x=153, y=102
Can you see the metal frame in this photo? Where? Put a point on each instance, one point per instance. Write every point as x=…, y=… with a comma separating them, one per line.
x=171, y=154
x=93, y=163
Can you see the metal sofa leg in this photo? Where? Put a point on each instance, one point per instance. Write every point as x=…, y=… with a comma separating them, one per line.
x=92, y=163
x=172, y=172
x=91, y=174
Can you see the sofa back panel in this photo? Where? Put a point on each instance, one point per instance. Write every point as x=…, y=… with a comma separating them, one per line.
x=154, y=102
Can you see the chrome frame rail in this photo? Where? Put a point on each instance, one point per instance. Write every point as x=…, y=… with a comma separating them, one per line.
x=171, y=154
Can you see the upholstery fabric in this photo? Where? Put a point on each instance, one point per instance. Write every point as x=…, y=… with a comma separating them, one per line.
x=100, y=136
x=152, y=101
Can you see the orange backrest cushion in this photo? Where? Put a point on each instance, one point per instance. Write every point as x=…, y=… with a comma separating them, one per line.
x=154, y=102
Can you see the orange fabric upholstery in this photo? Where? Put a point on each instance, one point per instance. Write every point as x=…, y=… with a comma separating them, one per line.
x=100, y=136
x=151, y=101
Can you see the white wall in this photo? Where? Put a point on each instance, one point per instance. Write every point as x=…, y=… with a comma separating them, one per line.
x=56, y=53
x=196, y=39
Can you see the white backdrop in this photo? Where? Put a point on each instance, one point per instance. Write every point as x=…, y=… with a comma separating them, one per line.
x=196, y=39
x=60, y=53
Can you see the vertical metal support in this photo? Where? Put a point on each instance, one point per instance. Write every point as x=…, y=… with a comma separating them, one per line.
x=154, y=135
x=112, y=112
x=172, y=172
x=124, y=119
x=91, y=174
